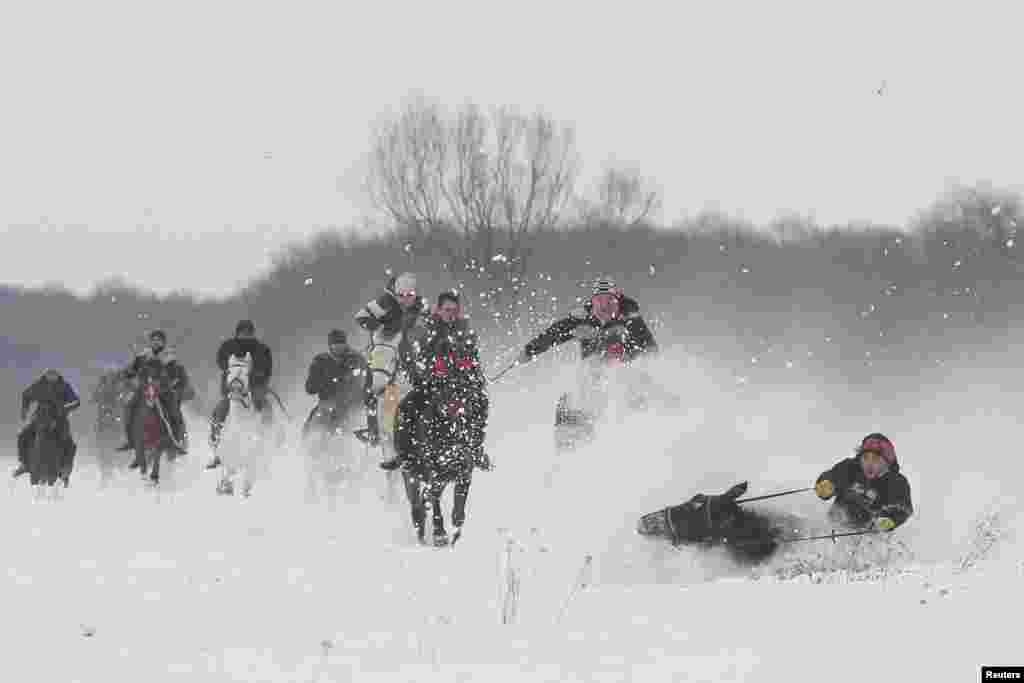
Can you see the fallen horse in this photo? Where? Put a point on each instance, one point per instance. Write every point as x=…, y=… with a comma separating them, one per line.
x=723, y=521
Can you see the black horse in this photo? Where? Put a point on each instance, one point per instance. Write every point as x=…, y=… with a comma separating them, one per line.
x=331, y=460
x=50, y=458
x=710, y=521
x=443, y=456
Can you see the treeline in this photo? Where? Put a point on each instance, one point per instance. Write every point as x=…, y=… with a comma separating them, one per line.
x=858, y=306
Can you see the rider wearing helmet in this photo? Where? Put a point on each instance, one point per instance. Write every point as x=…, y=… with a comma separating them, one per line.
x=391, y=319
x=868, y=488
x=607, y=310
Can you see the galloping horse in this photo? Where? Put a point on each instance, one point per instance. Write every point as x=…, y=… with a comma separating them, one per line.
x=604, y=380
x=110, y=396
x=152, y=438
x=443, y=457
x=331, y=459
x=384, y=384
x=242, y=444
x=48, y=457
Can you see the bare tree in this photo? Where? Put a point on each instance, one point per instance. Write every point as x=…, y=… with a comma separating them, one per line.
x=624, y=197
x=498, y=178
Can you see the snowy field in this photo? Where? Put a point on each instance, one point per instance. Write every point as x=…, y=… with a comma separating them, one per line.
x=128, y=584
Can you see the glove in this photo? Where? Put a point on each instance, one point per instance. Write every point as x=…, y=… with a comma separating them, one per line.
x=825, y=489
x=885, y=524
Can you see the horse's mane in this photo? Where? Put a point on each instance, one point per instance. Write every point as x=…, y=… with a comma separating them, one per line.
x=238, y=372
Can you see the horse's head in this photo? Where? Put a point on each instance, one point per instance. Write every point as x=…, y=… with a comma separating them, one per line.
x=237, y=379
x=47, y=415
x=150, y=392
x=701, y=518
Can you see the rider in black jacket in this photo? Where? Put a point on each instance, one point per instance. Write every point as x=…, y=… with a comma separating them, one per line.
x=337, y=378
x=50, y=388
x=243, y=342
x=607, y=308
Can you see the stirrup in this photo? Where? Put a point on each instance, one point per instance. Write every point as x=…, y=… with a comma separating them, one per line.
x=392, y=464
x=367, y=436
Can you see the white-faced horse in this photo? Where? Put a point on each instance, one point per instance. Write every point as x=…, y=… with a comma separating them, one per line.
x=243, y=447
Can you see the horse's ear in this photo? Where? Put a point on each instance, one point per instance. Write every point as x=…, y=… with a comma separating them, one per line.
x=736, y=491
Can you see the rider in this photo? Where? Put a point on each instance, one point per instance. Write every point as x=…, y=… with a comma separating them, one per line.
x=868, y=488
x=52, y=388
x=243, y=342
x=448, y=365
x=332, y=377
x=158, y=362
x=389, y=318
x=606, y=309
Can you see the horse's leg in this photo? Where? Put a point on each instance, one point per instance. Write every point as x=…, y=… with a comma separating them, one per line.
x=157, y=456
x=436, y=491
x=462, y=484
x=414, y=489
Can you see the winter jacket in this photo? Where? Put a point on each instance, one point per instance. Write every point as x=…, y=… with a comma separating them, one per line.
x=863, y=500
x=636, y=337
x=166, y=370
x=330, y=374
x=262, y=358
x=449, y=350
x=60, y=394
x=386, y=319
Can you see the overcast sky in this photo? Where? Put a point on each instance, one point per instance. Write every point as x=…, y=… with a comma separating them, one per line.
x=181, y=144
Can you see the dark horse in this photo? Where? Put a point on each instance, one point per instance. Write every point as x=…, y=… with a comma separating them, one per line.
x=50, y=457
x=152, y=437
x=443, y=456
x=710, y=521
x=331, y=460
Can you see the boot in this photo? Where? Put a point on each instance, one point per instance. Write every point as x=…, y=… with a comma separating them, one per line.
x=370, y=435
x=391, y=464
x=215, y=429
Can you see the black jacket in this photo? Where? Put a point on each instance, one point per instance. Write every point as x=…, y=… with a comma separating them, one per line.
x=168, y=373
x=629, y=328
x=331, y=375
x=262, y=358
x=448, y=350
x=385, y=317
x=60, y=395
x=864, y=500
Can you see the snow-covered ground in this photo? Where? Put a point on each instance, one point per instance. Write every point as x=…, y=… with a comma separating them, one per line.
x=125, y=583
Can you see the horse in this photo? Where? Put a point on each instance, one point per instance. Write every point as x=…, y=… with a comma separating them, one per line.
x=48, y=456
x=443, y=457
x=152, y=437
x=110, y=396
x=242, y=441
x=606, y=381
x=711, y=521
x=331, y=459
x=384, y=385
